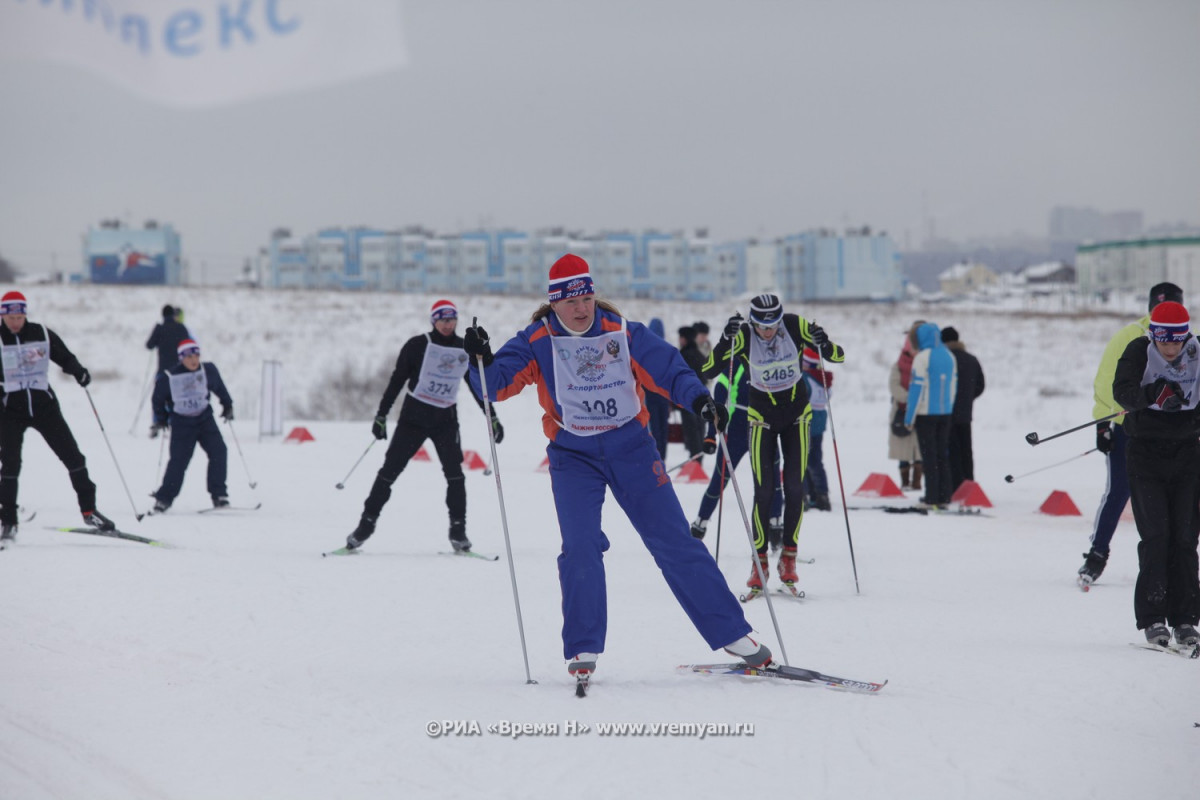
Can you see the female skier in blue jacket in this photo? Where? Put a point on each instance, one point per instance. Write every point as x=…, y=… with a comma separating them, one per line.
x=592, y=368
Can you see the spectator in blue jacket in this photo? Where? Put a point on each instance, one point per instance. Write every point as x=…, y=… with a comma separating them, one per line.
x=181, y=400
x=930, y=411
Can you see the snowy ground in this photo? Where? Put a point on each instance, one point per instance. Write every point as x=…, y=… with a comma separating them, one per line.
x=240, y=664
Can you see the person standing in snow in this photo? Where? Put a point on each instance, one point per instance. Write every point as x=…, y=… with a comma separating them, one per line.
x=929, y=410
x=180, y=401
x=1157, y=381
x=902, y=445
x=769, y=347
x=970, y=386
x=1111, y=438
x=429, y=370
x=691, y=424
x=166, y=337
x=702, y=343
x=27, y=401
x=737, y=439
x=820, y=383
x=659, y=406
x=592, y=368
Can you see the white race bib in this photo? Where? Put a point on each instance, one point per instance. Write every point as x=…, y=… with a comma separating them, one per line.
x=26, y=365
x=442, y=371
x=189, y=392
x=593, y=382
x=774, y=364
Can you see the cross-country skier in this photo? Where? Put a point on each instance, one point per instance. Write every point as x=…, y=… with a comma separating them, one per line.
x=1111, y=438
x=769, y=346
x=1158, y=382
x=28, y=402
x=592, y=368
x=429, y=370
x=180, y=401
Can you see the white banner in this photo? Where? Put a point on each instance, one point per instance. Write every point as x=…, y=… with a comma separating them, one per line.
x=195, y=53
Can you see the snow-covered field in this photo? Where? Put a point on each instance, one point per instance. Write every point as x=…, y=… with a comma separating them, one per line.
x=240, y=664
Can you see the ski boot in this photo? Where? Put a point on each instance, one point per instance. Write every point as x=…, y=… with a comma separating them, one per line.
x=581, y=667
x=821, y=502
x=220, y=501
x=458, y=535
x=98, y=521
x=787, y=572
x=750, y=651
x=1093, y=566
x=8, y=532
x=699, y=528
x=1187, y=635
x=366, y=526
x=755, y=584
x=1158, y=633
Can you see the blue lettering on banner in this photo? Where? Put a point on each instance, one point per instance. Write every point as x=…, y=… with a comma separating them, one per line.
x=190, y=32
x=230, y=22
x=179, y=26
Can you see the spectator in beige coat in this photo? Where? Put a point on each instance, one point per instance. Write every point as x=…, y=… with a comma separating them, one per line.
x=902, y=445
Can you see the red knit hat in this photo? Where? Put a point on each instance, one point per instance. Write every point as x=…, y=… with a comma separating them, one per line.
x=13, y=303
x=1169, y=322
x=443, y=309
x=570, y=277
x=187, y=347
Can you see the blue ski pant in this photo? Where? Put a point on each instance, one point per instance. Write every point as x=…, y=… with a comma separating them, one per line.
x=629, y=466
x=1116, y=493
x=186, y=433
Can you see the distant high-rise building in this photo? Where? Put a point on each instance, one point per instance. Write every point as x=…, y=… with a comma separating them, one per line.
x=1069, y=223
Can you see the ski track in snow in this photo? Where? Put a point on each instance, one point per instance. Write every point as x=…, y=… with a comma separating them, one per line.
x=242, y=664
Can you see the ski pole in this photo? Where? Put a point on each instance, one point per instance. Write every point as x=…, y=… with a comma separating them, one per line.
x=104, y=433
x=841, y=485
x=1011, y=478
x=512, y=572
x=147, y=388
x=233, y=432
x=342, y=483
x=724, y=450
x=1035, y=440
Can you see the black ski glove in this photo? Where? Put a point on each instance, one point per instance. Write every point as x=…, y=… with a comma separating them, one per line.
x=710, y=411
x=821, y=339
x=156, y=428
x=477, y=344
x=732, y=326
x=1104, y=437
x=1167, y=394
x=497, y=429
x=83, y=378
x=379, y=427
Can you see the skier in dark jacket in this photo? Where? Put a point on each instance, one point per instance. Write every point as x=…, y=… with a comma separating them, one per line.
x=970, y=386
x=180, y=400
x=1158, y=382
x=166, y=337
x=769, y=346
x=27, y=401
x=430, y=369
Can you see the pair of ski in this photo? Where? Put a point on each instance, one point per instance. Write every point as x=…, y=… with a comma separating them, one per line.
x=1182, y=650
x=774, y=671
x=786, y=590
x=209, y=510
x=962, y=511
x=346, y=551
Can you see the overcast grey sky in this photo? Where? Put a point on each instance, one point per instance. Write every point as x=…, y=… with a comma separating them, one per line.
x=752, y=118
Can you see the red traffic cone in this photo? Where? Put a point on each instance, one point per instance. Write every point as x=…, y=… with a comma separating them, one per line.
x=299, y=435
x=970, y=493
x=1060, y=504
x=471, y=460
x=421, y=455
x=879, y=485
x=692, y=472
